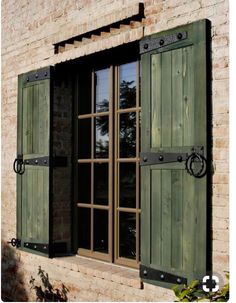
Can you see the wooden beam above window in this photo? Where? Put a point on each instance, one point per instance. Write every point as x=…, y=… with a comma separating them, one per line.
x=129, y=21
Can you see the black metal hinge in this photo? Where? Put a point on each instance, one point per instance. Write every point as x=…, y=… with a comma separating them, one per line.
x=39, y=161
x=152, y=158
x=15, y=242
x=41, y=74
x=57, y=161
x=42, y=247
x=149, y=273
x=149, y=44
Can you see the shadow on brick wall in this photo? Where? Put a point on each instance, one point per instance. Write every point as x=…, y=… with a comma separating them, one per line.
x=12, y=278
x=46, y=292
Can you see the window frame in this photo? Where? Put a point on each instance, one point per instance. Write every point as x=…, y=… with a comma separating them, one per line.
x=113, y=113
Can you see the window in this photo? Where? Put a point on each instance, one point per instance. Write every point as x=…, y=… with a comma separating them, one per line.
x=108, y=163
x=175, y=110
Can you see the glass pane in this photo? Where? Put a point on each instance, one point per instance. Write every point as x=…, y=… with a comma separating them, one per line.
x=84, y=183
x=128, y=135
x=101, y=137
x=84, y=227
x=84, y=139
x=84, y=93
x=127, y=241
x=128, y=74
x=101, y=230
x=101, y=183
x=102, y=90
x=128, y=185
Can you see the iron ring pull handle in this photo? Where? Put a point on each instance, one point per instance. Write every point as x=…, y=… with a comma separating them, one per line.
x=18, y=166
x=189, y=165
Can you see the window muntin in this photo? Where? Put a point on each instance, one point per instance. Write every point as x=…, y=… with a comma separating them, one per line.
x=111, y=132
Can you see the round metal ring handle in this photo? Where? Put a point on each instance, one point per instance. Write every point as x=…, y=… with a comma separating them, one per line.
x=18, y=166
x=189, y=165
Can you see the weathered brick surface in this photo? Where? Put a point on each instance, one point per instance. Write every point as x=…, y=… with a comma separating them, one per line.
x=29, y=29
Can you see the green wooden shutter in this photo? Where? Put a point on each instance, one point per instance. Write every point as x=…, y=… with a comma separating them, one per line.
x=174, y=120
x=34, y=150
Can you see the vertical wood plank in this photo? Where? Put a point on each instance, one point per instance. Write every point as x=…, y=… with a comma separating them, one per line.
x=177, y=218
x=177, y=98
x=156, y=217
x=29, y=205
x=145, y=103
x=188, y=96
x=24, y=120
x=29, y=131
x=23, y=210
x=166, y=217
x=145, y=215
x=145, y=171
x=43, y=95
x=35, y=120
x=189, y=222
x=156, y=117
x=166, y=100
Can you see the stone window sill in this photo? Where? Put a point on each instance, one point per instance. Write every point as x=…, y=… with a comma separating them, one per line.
x=102, y=270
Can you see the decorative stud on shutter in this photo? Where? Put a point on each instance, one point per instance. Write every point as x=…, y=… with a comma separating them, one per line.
x=33, y=164
x=175, y=155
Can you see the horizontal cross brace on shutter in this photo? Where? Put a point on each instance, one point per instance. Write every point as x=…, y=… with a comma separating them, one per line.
x=42, y=247
x=147, y=45
x=42, y=74
x=158, y=275
x=151, y=158
x=58, y=161
x=40, y=161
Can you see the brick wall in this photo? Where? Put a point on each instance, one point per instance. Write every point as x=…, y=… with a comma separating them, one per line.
x=29, y=29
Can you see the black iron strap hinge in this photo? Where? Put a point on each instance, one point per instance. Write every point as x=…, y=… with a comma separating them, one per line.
x=41, y=247
x=39, y=161
x=149, y=273
x=56, y=161
x=161, y=157
x=195, y=162
x=15, y=242
x=41, y=74
x=149, y=44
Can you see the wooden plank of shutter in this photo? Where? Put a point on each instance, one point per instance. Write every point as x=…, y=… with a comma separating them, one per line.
x=174, y=95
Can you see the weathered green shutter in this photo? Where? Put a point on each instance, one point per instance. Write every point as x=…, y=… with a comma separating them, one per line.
x=174, y=120
x=34, y=150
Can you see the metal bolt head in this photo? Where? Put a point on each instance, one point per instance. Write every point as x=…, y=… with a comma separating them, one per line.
x=144, y=159
x=36, y=161
x=45, y=74
x=27, y=79
x=161, y=158
x=179, y=158
x=36, y=75
x=180, y=36
x=145, y=272
x=178, y=280
x=145, y=46
x=162, y=277
x=161, y=42
x=45, y=161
